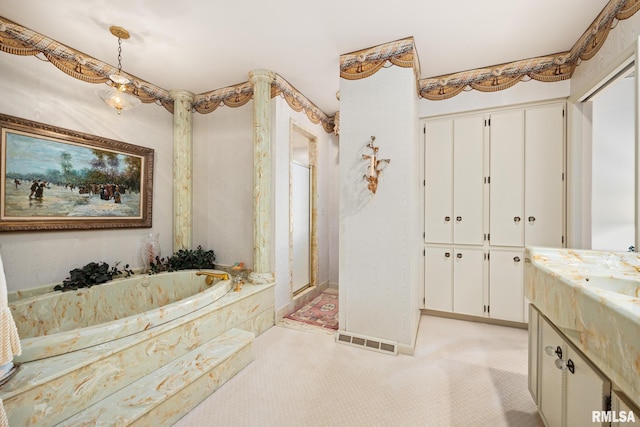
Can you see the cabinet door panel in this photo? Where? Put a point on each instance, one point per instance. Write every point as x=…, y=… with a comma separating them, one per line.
x=544, y=187
x=586, y=390
x=438, y=291
x=468, y=176
x=468, y=273
x=507, y=178
x=439, y=181
x=550, y=397
x=506, y=285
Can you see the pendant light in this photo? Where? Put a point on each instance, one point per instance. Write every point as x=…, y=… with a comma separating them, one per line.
x=117, y=96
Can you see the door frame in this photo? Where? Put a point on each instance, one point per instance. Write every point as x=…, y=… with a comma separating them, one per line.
x=294, y=128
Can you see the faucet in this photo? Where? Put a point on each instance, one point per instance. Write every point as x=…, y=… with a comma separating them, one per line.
x=211, y=276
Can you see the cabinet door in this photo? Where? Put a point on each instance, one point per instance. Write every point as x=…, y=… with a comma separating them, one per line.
x=544, y=167
x=468, y=179
x=619, y=405
x=507, y=178
x=468, y=273
x=438, y=291
x=439, y=181
x=533, y=352
x=550, y=396
x=506, y=284
x=586, y=391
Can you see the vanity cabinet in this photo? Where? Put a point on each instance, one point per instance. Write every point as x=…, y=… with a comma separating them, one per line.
x=623, y=408
x=566, y=387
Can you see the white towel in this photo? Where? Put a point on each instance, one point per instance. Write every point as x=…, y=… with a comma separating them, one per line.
x=9, y=340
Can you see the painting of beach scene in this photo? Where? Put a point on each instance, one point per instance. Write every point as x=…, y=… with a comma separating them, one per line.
x=60, y=179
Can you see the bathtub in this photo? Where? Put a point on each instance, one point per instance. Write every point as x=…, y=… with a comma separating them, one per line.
x=51, y=322
x=142, y=350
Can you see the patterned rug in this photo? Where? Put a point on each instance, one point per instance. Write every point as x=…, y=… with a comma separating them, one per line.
x=321, y=311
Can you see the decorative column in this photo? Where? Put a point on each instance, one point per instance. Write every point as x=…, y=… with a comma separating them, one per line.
x=261, y=81
x=182, y=169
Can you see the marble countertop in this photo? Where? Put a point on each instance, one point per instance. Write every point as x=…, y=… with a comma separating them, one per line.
x=593, y=297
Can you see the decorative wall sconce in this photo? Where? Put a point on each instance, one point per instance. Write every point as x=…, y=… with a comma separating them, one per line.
x=376, y=166
x=117, y=96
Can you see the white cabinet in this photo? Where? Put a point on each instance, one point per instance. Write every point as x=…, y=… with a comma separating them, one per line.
x=569, y=389
x=626, y=413
x=506, y=287
x=438, y=291
x=494, y=183
x=527, y=176
x=507, y=178
x=550, y=377
x=468, y=271
x=454, y=280
x=454, y=180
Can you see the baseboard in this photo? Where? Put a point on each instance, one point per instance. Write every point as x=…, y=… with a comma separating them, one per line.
x=477, y=319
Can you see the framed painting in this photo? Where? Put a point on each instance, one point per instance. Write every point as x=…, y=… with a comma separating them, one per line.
x=59, y=179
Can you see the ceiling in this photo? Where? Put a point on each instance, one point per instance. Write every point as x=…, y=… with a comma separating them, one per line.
x=202, y=45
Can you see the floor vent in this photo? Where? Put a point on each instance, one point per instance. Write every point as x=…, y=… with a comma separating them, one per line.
x=374, y=344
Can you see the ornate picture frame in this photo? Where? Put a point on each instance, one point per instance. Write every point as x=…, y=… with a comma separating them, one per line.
x=59, y=179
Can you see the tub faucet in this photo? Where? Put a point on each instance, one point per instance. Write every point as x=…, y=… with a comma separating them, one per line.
x=211, y=276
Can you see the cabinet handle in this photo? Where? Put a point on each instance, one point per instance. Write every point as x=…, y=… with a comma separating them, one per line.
x=516, y=258
x=458, y=218
x=516, y=219
x=447, y=219
x=532, y=219
x=570, y=366
x=459, y=255
x=447, y=254
x=551, y=351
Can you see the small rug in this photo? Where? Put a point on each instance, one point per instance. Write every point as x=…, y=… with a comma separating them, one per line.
x=321, y=311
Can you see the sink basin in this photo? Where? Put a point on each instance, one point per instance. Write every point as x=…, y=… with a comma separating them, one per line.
x=625, y=286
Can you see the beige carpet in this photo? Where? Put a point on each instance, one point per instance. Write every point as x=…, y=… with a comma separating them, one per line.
x=462, y=374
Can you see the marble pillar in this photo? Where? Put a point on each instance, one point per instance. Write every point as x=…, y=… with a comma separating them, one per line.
x=182, y=169
x=261, y=81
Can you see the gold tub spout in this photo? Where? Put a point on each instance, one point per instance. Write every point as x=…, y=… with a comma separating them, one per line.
x=211, y=276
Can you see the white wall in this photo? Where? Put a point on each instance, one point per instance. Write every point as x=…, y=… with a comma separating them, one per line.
x=380, y=235
x=35, y=90
x=223, y=183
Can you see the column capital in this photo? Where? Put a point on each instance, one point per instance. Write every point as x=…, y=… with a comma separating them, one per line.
x=181, y=95
x=261, y=75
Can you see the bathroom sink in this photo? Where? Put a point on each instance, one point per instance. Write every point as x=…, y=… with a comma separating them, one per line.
x=625, y=286
x=593, y=298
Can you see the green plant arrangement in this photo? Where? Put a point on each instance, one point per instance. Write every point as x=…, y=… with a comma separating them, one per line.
x=184, y=259
x=91, y=274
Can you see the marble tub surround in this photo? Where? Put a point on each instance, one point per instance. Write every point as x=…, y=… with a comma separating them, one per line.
x=593, y=297
x=55, y=322
x=50, y=391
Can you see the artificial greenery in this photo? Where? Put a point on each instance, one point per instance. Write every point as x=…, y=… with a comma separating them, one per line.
x=91, y=274
x=184, y=259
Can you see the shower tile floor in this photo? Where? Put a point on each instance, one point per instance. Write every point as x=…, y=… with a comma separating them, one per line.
x=462, y=374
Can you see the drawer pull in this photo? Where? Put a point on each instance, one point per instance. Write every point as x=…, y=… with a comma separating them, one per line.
x=447, y=219
x=459, y=255
x=516, y=258
x=516, y=219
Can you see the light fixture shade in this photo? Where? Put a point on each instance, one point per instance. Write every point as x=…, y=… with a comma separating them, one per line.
x=118, y=99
